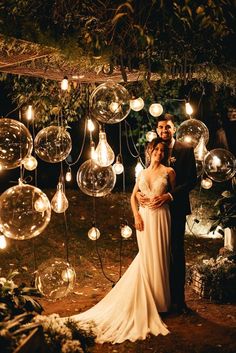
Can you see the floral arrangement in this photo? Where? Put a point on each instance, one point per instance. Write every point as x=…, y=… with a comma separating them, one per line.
x=217, y=278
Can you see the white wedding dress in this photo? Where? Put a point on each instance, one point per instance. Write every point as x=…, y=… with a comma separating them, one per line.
x=130, y=310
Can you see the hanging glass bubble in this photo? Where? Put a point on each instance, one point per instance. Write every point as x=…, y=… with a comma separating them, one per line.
x=94, y=180
x=53, y=144
x=206, y=183
x=94, y=233
x=199, y=167
x=220, y=165
x=15, y=143
x=55, y=278
x=191, y=131
x=25, y=212
x=109, y=103
x=156, y=109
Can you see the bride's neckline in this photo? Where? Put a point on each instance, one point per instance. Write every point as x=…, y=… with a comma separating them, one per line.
x=150, y=183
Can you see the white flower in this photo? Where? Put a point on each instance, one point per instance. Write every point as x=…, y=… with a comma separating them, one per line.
x=71, y=346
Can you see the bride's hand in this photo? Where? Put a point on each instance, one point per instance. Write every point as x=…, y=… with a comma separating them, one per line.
x=138, y=222
x=158, y=201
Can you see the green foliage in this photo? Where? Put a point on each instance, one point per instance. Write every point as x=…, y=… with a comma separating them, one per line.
x=226, y=211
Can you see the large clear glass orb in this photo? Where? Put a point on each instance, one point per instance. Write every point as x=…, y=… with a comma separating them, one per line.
x=191, y=131
x=94, y=233
x=25, y=212
x=155, y=109
x=53, y=144
x=94, y=180
x=220, y=165
x=109, y=103
x=55, y=278
x=126, y=231
x=15, y=143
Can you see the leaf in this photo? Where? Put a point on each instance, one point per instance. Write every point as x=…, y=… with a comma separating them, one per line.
x=118, y=16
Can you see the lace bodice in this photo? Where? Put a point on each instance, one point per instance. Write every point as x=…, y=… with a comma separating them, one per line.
x=159, y=186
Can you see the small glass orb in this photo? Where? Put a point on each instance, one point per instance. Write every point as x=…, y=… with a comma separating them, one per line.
x=3, y=242
x=94, y=180
x=94, y=233
x=118, y=167
x=16, y=143
x=68, y=175
x=109, y=103
x=59, y=203
x=155, y=109
x=126, y=231
x=199, y=167
x=104, y=155
x=19, y=218
x=151, y=135
x=53, y=144
x=30, y=163
x=206, y=183
x=137, y=104
x=220, y=165
x=191, y=131
x=55, y=278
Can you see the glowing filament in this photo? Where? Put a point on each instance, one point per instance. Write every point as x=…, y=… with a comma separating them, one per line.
x=59, y=201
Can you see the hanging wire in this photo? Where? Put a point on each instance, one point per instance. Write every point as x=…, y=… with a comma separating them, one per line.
x=82, y=148
x=127, y=141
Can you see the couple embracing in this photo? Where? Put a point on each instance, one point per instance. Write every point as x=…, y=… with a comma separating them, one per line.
x=154, y=282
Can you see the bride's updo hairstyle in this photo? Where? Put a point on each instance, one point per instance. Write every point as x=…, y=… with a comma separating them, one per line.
x=150, y=148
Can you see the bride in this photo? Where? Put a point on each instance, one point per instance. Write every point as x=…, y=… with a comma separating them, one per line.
x=130, y=311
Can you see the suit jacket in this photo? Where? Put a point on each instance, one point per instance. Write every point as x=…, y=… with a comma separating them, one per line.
x=183, y=162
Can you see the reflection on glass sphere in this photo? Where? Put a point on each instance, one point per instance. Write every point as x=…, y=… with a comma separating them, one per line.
x=155, y=109
x=30, y=163
x=94, y=233
x=191, y=131
x=151, y=135
x=220, y=164
x=126, y=231
x=200, y=150
x=206, y=183
x=199, y=167
x=94, y=180
x=53, y=144
x=55, y=278
x=15, y=143
x=109, y=103
x=19, y=217
x=137, y=104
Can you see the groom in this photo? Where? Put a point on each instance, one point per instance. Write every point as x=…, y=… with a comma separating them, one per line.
x=181, y=157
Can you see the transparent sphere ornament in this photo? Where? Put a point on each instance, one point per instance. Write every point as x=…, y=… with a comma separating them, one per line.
x=109, y=103
x=191, y=131
x=55, y=278
x=94, y=180
x=151, y=135
x=155, y=109
x=94, y=233
x=25, y=212
x=220, y=165
x=53, y=144
x=199, y=167
x=104, y=155
x=206, y=183
x=15, y=143
x=30, y=163
x=136, y=104
x=126, y=231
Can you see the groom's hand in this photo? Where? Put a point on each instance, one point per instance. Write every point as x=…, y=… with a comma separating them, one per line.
x=158, y=201
x=142, y=199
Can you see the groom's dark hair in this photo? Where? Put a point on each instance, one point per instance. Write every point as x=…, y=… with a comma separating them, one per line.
x=166, y=117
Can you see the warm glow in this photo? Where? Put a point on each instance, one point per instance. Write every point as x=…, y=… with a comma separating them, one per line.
x=41, y=204
x=68, y=275
x=68, y=175
x=30, y=113
x=59, y=201
x=126, y=232
x=150, y=135
x=118, y=166
x=200, y=151
x=155, y=109
x=30, y=163
x=138, y=169
x=136, y=104
x=104, y=153
x=188, y=108
x=114, y=107
x=64, y=84
x=3, y=242
x=187, y=139
x=93, y=233
x=216, y=162
x=91, y=126
x=206, y=183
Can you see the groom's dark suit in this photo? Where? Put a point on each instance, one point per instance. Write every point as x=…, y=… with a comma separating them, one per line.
x=183, y=162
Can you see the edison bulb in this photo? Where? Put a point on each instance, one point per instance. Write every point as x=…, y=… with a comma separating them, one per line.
x=94, y=233
x=64, y=84
x=90, y=125
x=151, y=135
x=206, y=183
x=136, y=104
x=3, y=242
x=126, y=231
x=155, y=109
x=68, y=175
x=138, y=169
x=29, y=113
x=188, y=108
x=30, y=163
x=59, y=201
x=104, y=153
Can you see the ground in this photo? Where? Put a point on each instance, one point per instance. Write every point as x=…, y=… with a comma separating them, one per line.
x=211, y=327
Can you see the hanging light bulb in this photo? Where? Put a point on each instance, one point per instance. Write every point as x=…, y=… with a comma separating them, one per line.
x=68, y=275
x=114, y=107
x=188, y=108
x=138, y=168
x=118, y=166
x=155, y=109
x=3, y=242
x=206, y=183
x=94, y=233
x=64, y=84
x=93, y=153
x=68, y=174
x=136, y=104
x=29, y=113
x=200, y=150
x=104, y=153
x=30, y=163
x=150, y=135
x=41, y=204
x=126, y=231
x=59, y=201
x=91, y=126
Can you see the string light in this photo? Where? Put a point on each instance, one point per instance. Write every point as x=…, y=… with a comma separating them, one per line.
x=118, y=166
x=126, y=231
x=29, y=113
x=3, y=242
x=136, y=104
x=30, y=163
x=155, y=109
x=64, y=84
x=104, y=153
x=91, y=126
x=150, y=135
x=68, y=175
x=94, y=233
x=206, y=183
